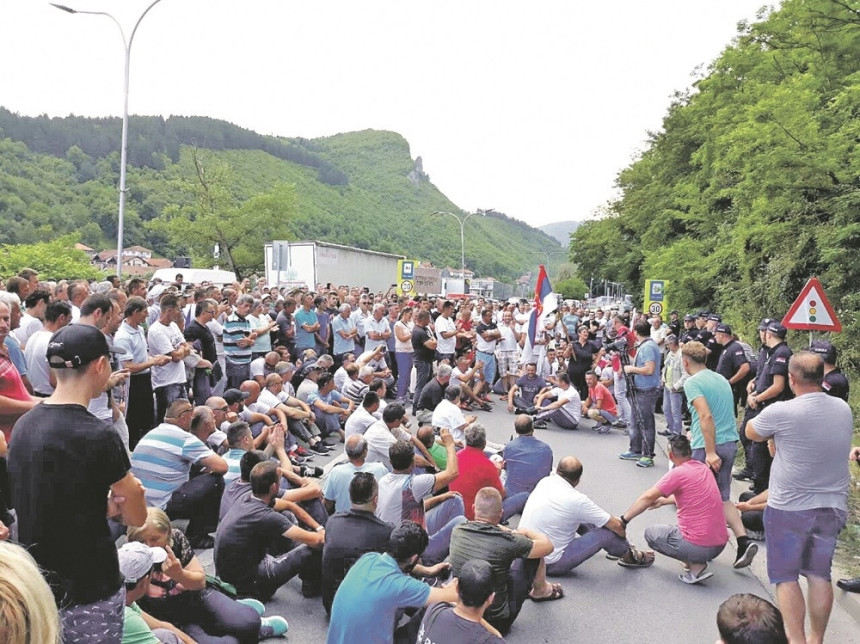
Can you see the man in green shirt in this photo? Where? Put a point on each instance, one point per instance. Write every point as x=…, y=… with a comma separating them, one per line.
x=437, y=450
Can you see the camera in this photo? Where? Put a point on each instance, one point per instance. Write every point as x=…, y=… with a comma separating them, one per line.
x=619, y=345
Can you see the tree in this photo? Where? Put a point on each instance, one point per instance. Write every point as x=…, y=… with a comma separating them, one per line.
x=53, y=260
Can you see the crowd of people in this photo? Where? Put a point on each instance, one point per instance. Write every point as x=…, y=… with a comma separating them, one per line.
x=180, y=417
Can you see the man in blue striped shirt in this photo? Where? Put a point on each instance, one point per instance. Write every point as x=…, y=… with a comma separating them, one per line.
x=163, y=460
x=238, y=340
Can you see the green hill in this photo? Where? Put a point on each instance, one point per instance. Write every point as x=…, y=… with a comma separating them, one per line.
x=59, y=175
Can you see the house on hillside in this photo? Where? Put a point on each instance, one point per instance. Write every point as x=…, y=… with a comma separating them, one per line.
x=136, y=260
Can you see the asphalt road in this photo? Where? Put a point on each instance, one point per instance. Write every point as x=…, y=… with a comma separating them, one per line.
x=603, y=602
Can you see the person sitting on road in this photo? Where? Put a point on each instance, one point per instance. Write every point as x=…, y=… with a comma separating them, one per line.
x=352, y=532
x=178, y=593
x=336, y=489
x=463, y=622
x=432, y=394
x=521, y=397
x=449, y=415
x=516, y=556
x=404, y=495
x=329, y=406
x=748, y=619
x=600, y=405
x=477, y=471
x=247, y=532
x=354, y=390
x=565, y=411
x=470, y=381
x=577, y=527
x=700, y=535
x=384, y=433
x=365, y=415
x=378, y=586
x=526, y=459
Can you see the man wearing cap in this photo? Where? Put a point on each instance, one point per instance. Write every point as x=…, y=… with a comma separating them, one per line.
x=163, y=459
x=746, y=473
x=707, y=338
x=689, y=332
x=733, y=364
x=674, y=324
x=771, y=385
x=835, y=383
x=63, y=464
x=136, y=562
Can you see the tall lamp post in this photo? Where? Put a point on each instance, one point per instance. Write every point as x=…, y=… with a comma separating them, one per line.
x=127, y=43
x=462, y=222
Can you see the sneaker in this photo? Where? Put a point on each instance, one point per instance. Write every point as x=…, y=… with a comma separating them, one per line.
x=620, y=424
x=689, y=578
x=665, y=433
x=320, y=448
x=540, y=424
x=311, y=471
x=645, y=461
x=256, y=604
x=300, y=451
x=743, y=475
x=755, y=535
x=746, y=554
x=630, y=456
x=275, y=624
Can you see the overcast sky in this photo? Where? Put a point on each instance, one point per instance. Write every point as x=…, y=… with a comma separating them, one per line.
x=528, y=107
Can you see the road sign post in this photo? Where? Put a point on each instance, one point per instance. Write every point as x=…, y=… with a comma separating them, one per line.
x=811, y=311
x=406, y=277
x=656, y=302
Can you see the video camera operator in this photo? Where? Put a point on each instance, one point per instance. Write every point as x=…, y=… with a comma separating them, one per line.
x=646, y=388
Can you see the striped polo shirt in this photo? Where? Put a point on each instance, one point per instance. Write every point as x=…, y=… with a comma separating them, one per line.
x=236, y=328
x=232, y=456
x=162, y=460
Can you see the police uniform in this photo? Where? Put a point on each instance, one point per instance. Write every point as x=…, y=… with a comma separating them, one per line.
x=732, y=358
x=835, y=383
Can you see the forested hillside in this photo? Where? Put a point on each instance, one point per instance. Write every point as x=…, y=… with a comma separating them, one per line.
x=195, y=181
x=753, y=183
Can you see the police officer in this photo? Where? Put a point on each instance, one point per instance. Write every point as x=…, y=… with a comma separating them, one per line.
x=674, y=324
x=689, y=332
x=746, y=473
x=733, y=364
x=707, y=338
x=835, y=383
x=771, y=385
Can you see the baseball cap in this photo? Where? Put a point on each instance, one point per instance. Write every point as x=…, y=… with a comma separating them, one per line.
x=702, y=314
x=136, y=559
x=713, y=317
x=777, y=329
x=76, y=345
x=232, y=396
x=689, y=317
x=765, y=322
x=723, y=328
x=825, y=349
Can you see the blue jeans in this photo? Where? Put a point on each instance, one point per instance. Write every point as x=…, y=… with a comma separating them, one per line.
x=514, y=504
x=672, y=402
x=586, y=546
x=489, y=361
x=642, y=437
x=404, y=372
x=440, y=522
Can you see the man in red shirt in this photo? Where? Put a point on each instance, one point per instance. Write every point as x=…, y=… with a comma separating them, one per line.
x=15, y=400
x=600, y=405
x=478, y=471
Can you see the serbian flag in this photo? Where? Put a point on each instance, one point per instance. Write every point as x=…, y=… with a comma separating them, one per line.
x=545, y=303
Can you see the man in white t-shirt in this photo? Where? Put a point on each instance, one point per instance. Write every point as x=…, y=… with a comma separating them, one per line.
x=471, y=382
x=446, y=333
x=169, y=381
x=506, y=351
x=364, y=416
x=57, y=315
x=263, y=366
x=557, y=509
x=565, y=411
x=449, y=415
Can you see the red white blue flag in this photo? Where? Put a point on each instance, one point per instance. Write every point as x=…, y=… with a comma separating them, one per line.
x=545, y=302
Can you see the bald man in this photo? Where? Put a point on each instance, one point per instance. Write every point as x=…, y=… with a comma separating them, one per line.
x=560, y=511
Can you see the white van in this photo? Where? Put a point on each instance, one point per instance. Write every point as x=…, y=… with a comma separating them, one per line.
x=195, y=275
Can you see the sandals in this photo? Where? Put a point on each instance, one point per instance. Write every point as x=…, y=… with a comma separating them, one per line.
x=635, y=558
x=557, y=593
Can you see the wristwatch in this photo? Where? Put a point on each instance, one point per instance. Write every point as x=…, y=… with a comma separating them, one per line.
x=624, y=521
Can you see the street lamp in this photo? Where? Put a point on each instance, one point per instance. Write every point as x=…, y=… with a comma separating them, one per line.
x=548, y=253
x=462, y=222
x=124, y=149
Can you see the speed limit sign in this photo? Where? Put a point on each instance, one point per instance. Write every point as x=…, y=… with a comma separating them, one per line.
x=656, y=308
x=406, y=286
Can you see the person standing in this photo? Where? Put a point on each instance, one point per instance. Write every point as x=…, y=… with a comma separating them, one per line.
x=424, y=347
x=66, y=469
x=487, y=335
x=404, y=352
x=807, y=502
x=580, y=356
x=733, y=364
x=646, y=387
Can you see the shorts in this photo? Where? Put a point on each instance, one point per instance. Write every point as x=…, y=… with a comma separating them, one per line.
x=726, y=452
x=801, y=542
x=668, y=540
x=507, y=362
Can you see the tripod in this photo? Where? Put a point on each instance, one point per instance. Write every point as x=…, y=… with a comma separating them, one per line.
x=635, y=411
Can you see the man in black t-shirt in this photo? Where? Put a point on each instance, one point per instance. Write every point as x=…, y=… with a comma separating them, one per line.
x=432, y=394
x=351, y=534
x=463, y=622
x=63, y=461
x=247, y=531
x=424, y=346
x=733, y=364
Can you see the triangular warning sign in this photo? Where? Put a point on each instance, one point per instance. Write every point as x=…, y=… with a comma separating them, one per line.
x=811, y=310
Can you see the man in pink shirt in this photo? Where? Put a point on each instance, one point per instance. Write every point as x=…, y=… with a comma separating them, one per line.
x=600, y=405
x=701, y=534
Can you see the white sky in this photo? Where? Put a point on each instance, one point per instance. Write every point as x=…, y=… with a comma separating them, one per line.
x=528, y=107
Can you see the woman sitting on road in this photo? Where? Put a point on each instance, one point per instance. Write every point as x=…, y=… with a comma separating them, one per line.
x=178, y=593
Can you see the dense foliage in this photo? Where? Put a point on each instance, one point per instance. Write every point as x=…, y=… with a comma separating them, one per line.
x=753, y=184
x=195, y=181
